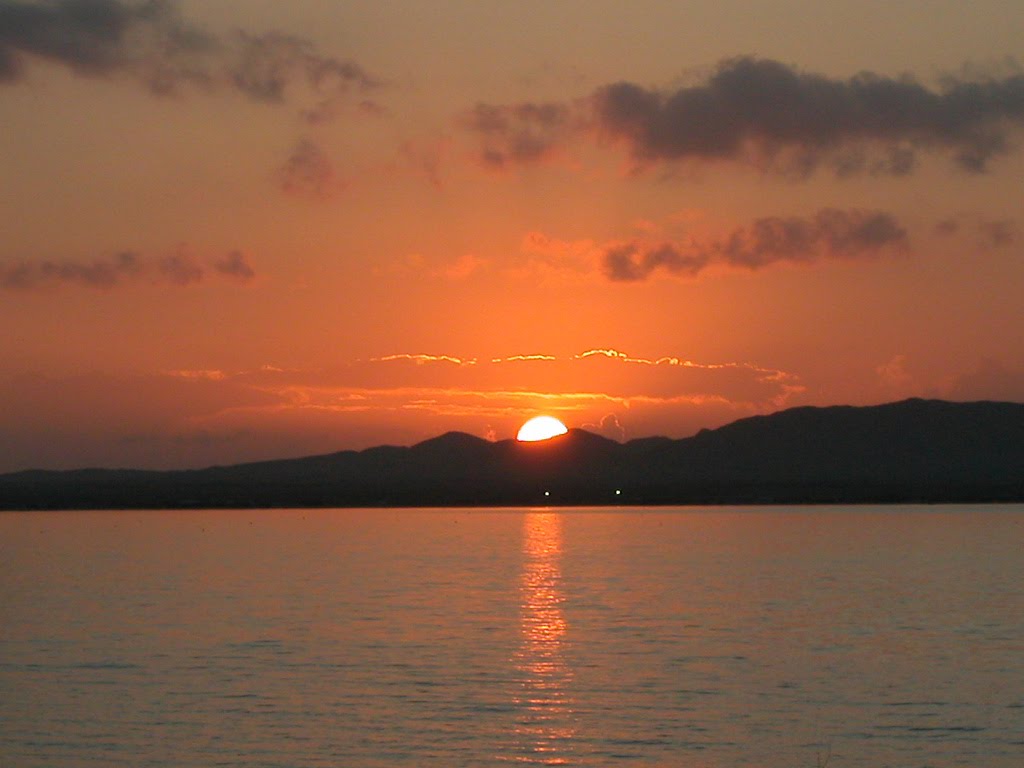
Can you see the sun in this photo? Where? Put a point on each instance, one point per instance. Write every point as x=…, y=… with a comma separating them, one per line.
x=541, y=428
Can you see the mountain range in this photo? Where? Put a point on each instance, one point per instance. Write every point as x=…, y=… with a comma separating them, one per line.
x=910, y=451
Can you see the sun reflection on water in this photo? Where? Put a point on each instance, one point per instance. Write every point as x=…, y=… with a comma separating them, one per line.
x=544, y=727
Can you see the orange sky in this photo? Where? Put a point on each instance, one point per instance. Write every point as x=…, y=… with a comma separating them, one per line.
x=243, y=230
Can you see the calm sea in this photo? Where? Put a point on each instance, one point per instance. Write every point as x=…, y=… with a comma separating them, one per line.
x=771, y=637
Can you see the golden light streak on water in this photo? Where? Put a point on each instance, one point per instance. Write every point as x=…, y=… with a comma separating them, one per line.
x=545, y=729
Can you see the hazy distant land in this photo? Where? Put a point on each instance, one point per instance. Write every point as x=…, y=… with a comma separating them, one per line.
x=911, y=451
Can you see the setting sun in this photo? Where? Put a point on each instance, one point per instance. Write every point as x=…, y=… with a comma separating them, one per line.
x=541, y=428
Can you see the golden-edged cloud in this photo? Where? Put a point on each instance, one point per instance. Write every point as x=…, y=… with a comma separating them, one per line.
x=506, y=387
x=198, y=417
x=830, y=234
x=191, y=417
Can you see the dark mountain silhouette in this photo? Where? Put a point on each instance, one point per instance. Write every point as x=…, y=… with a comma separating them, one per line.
x=916, y=450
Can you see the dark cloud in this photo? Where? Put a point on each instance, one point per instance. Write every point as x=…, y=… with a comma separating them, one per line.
x=150, y=42
x=520, y=133
x=998, y=233
x=307, y=172
x=99, y=273
x=830, y=233
x=180, y=269
x=235, y=265
x=776, y=117
x=633, y=261
x=988, y=234
x=767, y=109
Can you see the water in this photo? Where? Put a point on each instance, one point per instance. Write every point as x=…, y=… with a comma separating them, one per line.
x=775, y=637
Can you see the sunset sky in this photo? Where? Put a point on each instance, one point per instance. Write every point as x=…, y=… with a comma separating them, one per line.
x=249, y=229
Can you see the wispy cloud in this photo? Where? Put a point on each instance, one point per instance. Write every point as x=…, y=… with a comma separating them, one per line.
x=520, y=134
x=416, y=379
x=893, y=373
x=987, y=233
x=151, y=43
x=180, y=269
x=531, y=374
x=192, y=417
x=308, y=172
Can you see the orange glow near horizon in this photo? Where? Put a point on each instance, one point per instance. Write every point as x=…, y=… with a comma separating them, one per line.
x=378, y=265
x=541, y=428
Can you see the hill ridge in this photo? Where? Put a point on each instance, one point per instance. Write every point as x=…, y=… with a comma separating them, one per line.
x=912, y=450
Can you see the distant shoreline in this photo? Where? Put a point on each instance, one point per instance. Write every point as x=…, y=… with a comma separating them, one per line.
x=539, y=508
